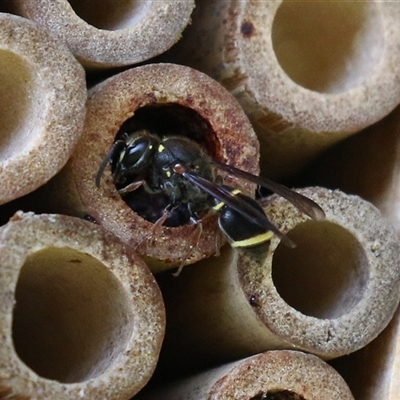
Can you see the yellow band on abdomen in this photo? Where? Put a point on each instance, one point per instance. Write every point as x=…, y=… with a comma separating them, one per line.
x=258, y=239
x=218, y=206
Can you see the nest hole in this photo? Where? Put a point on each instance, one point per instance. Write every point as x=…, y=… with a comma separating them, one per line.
x=72, y=318
x=171, y=119
x=111, y=14
x=20, y=100
x=325, y=275
x=328, y=46
x=167, y=119
x=278, y=395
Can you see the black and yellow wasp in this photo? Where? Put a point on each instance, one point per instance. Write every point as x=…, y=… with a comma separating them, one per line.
x=179, y=183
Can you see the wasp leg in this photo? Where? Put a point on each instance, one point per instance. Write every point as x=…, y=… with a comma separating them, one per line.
x=156, y=227
x=131, y=187
x=194, y=242
x=160, y=222
x=218, y=237
x=217, y=246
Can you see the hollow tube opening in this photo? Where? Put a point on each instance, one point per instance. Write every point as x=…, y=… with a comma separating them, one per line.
x=167, y=119
x=325, y=275
x=111, y=15
x=72, y=318
x=20, y=99
x=328, y=46
x=278, y=395
x=172, y=119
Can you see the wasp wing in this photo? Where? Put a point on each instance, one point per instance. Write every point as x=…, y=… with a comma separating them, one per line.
x=226, y=196
x=303, y=203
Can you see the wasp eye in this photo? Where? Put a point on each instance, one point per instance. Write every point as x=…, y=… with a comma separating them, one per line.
x=134, y=159
x=135, y=152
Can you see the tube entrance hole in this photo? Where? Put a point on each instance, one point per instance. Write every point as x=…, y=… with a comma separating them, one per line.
x=111, y=15
x=325, y=275
x=71, y=319
x=167, y=119
x=170, y=119
x=18, y=104
x=279, y=395
x=328, y=46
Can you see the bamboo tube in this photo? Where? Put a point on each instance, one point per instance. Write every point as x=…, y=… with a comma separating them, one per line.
x=81, y=315
x=372, y=372
x=307, y=74
x=114, y=33
x=367, y=164
x=167, y=99
x=271, y=375
x=330, y=296
x=42, y=106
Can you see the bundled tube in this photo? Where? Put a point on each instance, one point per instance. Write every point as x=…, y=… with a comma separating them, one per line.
x=367, y=164
x=81, y=315
x=166, y=99
x=372, y=372
x=272, y=375
x=307, y=74
x=42, y=106
x=330, y=296
x=373, y=174
x=112, y=33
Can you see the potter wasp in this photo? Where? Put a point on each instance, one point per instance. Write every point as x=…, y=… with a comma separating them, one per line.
x=171, y=181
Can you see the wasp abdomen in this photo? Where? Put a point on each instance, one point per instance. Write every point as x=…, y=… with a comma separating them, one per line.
x=241, y=231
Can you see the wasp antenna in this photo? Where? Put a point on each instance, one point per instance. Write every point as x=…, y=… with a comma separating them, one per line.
x=107, y=159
